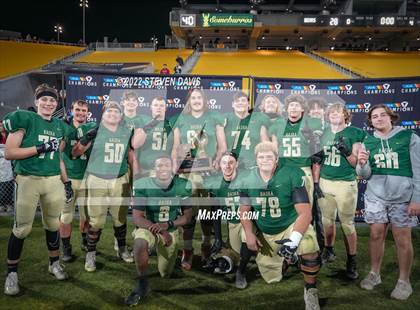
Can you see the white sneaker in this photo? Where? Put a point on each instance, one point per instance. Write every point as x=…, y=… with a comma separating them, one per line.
x=311, y=299
x=371, y=280
x=126, y=255
x=11, y=285
x=90, y=263
x=402, y=290
x=57, y=270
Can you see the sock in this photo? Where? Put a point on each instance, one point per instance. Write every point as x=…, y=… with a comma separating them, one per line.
x=84, y=238
x=351, y=258
x=246, y=255
x=330, y=249
x=66, y=242
x=188, y=245
x=310, y=285
x=142, y=283
x=12, y=268
x=53, y=259
x=119, y=234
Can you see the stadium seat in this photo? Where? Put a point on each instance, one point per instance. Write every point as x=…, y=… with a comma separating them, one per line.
x=279, y=64
x=158, y=58
x=18, y=57
x=377, y=64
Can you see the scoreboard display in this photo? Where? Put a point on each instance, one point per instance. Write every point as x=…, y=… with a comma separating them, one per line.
x=360, y=21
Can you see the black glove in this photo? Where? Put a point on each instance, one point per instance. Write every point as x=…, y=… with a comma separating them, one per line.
x=317, y=158
x=150, y=125
x=318, y=191
x=89, y=136
x=341, y=146
x=69, y=191
x=216, y=247
x=50, y=146
x=288, y=251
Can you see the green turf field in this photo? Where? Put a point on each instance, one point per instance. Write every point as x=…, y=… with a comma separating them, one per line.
x=113, y=280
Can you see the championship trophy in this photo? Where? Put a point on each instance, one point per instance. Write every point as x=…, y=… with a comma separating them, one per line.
x=192, y=157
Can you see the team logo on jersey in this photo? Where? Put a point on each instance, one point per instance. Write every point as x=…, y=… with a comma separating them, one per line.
x=213, y=104
x=81, y=80
x=269, y=88
x=402, y=106
x=174, y=103
x=411, y=124
x=377, y=89
x=305, y=89
x=341, y=90
x=358, y=107
x=219, y=85
x=97, y=99
x=410, y=88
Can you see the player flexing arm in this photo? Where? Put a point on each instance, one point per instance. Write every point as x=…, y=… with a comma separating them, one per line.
x=33, y=143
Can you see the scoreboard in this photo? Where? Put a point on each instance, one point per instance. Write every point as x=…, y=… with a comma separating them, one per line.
x=360, y=21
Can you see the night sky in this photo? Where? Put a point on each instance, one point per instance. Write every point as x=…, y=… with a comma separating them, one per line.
x=129, y=21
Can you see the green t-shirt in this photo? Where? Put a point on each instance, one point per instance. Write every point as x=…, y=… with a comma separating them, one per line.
x=294, y=148
x=76, y=167
x=226, y=192
x=161, y=204
x=335, y=166
x=242, y=135
x=109, y=154
x=390, y=156
x=159, y=140
x=37, y=130
x=190, y=126
x=273, y=200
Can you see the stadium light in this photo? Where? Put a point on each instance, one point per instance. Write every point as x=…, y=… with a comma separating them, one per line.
x=300, y=38
x=58, y=29
x=418, y=39
x=84, y=4
x=332, y=48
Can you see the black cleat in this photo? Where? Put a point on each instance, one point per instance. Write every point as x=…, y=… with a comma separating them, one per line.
x=240, y=280
x=328, y=256
x=136, y=296
x=351, y=270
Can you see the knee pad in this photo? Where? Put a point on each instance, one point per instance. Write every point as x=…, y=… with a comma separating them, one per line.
x=348, y=228
x=97, y=222
x=191, y=224
x=326, y=222
x=14, y=248
x=51, y=223
x=53, y=240
x=310, y=267
x=66, y=216
x=22, y=231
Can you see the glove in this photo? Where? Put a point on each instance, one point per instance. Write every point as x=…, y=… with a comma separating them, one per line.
x=69, y=191
x=50, y=146
x=89, y=136
x=150, y=125
x=318, y=191
x=342, y=147
x=216, y=247
x=289, y=247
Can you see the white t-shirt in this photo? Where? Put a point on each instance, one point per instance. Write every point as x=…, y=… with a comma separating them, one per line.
x=6, y=172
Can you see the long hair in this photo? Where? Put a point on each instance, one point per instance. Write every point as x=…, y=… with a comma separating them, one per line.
x=187, y=109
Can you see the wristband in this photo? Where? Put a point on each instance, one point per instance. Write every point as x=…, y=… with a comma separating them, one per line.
x=170, y=224
x=295, y=238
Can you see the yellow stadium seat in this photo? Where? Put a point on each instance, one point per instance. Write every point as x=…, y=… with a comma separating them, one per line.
x=18, y=57
x=158, y=58
x=377, y=64
x=276, y=64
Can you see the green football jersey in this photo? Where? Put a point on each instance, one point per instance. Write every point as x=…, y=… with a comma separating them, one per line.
x=161, y=204
x=390, y=156
x=335, y=166
x=136, y=121
x=109, y=154
x=273, y=199
x=190, y=127
x=242, y=135
x=227, y=192
x=159, y=140
x=294, y=147
x=37, y=130
x=76, y=167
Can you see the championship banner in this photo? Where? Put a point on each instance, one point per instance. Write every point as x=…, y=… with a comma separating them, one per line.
x=101, y=87
x=401, y=95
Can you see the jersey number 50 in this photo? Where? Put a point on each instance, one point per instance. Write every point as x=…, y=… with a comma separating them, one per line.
x=114, y=153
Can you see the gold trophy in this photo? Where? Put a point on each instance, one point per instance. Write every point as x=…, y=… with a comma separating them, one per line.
x=192, y=157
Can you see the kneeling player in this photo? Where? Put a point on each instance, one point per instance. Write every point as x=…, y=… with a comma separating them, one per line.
x=159, y=201
x=33, y=143
x=279, y=196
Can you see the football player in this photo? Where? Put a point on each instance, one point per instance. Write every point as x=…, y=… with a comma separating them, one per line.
x=338, y=183
x=35, y=142
x=159, y=201
x=316, y=109
x=107, y=181
x=390, y=161
x=130, y=103
x=244, y=130
x=279, y=196
x=156, y=139
x=226, y=188
x=195, y=121
x=76, y=171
